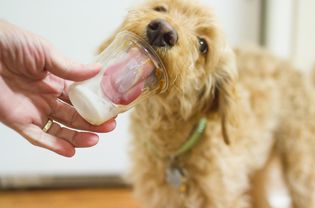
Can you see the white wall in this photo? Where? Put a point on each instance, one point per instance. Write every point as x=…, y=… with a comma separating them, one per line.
x=280, y=27
x=239, y=18
x=304, y=45
x=76, y=27
x=291, y=31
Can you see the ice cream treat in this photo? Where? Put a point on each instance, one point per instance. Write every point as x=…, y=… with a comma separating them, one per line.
x=131, y=72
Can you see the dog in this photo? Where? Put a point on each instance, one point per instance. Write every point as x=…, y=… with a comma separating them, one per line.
x=232, y=109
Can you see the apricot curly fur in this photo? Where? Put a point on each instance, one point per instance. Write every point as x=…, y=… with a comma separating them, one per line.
x=258, y=101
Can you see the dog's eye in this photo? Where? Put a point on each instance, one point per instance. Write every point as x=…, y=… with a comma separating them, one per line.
x=203, y=45
x=160, y=9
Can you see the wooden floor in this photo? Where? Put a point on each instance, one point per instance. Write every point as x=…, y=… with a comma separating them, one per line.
x=71, y=198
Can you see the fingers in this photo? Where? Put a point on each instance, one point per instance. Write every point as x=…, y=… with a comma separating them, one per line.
x=67, y=115
x=68, y=69
x=64, y=96
x=38, y=137
x=58, y=139
x=75, y=138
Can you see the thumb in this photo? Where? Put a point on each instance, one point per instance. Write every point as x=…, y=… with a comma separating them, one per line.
x=69, y=69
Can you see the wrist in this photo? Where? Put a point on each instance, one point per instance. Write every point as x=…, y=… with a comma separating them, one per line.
x=2, y=22
x=3, y=27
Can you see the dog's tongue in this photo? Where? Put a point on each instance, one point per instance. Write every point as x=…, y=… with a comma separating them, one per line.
x=124, y=80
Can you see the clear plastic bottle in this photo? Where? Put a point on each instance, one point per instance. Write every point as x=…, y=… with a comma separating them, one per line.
x=131, y=72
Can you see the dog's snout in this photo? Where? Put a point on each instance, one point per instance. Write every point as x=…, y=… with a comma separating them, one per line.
x=161, y=34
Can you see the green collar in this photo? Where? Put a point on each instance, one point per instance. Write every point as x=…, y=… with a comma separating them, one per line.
x=192, y=140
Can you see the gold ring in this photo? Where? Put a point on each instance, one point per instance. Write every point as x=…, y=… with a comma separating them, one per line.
x=48, y=125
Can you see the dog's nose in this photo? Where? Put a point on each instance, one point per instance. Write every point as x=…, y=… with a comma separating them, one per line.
x=161, y=34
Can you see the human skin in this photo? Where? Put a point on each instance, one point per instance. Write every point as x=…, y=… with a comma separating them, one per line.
x=34, y=82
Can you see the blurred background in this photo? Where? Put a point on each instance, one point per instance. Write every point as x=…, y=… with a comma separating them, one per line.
x=77, y=27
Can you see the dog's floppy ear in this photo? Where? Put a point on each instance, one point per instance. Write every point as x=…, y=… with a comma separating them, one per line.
x=226, y=93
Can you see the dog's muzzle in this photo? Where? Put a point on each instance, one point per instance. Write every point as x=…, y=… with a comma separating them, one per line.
x=161, y=34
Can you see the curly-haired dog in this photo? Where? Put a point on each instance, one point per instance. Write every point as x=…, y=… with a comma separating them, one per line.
x=254, y=105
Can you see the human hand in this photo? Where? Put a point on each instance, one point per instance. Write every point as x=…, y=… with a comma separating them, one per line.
x=34, y=82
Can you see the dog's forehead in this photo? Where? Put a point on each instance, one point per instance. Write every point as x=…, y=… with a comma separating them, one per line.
x=189, y=8
x=190, y=13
